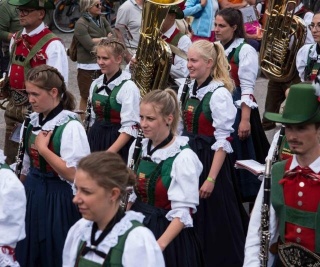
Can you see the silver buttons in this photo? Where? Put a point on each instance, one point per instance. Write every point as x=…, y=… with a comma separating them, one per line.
x=300, y=194
x=298, y=239
x=298, y=230
x=301, y=184
x=299, y=203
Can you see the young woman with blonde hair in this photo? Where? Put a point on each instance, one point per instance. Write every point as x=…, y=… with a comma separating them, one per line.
x=208, y=115
x=167, y=180
x=114, y=102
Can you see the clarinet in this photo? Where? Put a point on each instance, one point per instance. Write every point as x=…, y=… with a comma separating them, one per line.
x=86, y=121
x=132, y=166
x=276, y=154
x=265, y=217
x=22, y=145
x=184, y=92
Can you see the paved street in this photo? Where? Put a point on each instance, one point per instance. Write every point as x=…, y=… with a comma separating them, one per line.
x=260, y=90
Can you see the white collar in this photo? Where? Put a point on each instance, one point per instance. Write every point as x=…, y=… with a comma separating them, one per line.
x=36, y=31
x=234, y=44
x=166, y=152
x=58, y=120
x=170, y=31
x=314, y=166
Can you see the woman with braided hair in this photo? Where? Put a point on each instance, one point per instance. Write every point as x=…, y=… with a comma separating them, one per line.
x=208, y=115
x=54, y=143
x=115, y=102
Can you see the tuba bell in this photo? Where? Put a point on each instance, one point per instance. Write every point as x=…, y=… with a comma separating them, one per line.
x=284, y=35
x=154, y=56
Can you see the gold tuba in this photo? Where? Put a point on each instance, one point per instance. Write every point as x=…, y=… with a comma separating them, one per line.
x=154, y=57
x=284, y=34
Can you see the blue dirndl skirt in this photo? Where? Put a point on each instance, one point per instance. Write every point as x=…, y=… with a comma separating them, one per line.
x=184, y=250
x=255, y=147
x=102, y=135
x=50, y=214
x=220, y=221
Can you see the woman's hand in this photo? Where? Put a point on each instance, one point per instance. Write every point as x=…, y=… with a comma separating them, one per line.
x=206, y=189
x=42, y=141
x=244, y=129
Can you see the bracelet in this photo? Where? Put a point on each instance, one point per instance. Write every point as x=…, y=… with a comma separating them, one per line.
x=211, y=180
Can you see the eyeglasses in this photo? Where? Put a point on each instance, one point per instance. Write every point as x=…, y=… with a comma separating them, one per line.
x=24, y=12
x=314, y=26
x=97, y=5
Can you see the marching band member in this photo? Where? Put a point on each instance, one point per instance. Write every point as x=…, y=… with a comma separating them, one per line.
x=295, y=188
x=106, y=236
x=55, y=141
x=249, y=140
x=167, y=180
x=12, y=213
x=208, y=116
x=115, y=102
x=308, y=57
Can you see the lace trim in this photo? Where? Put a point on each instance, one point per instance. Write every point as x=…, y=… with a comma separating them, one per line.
x=247, y=101
x=7, y=260
x=210, y=88
x=59, y=120
x=119, y=229
x=167, y=152
x=183, y=215
x=130, y=130
x=225, y=144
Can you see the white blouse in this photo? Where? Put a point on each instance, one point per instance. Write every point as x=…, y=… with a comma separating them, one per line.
x=247, y=72
x=74, y=142
x=186, y=168
x=302, y=58
x=223, y=112
x=129, y=99
x=140, y=249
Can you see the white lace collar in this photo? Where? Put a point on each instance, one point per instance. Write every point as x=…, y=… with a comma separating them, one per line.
x=119, y=229
x=58, y=120
x=204, y=90
x=167, y=152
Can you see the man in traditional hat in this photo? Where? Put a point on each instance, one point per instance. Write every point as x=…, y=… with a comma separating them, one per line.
x=34, y=45
x=295, y=188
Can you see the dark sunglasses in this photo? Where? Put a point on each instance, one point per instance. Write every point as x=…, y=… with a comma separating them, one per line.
x=98, y=5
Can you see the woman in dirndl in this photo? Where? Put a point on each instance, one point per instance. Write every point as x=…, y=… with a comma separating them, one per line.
x=208, y=115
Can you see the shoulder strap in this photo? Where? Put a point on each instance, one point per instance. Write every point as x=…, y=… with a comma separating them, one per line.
x=35, y=49
x=14, y=46
x=235, y=52
x=115, y=255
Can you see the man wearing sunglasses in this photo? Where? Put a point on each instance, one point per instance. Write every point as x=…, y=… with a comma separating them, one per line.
x=34, y=45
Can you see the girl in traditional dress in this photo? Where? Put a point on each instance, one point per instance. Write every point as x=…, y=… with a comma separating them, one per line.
x=55, y=141
x=167, y=180
x=106, y=236
x=115, y=102
x=249, y=138
x=208, y=116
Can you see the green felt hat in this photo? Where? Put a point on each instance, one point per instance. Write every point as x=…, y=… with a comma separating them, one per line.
x=37, y=4
x=302, y=106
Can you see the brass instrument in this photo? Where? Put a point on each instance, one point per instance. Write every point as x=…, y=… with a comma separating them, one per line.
x=154, y=56
x=265, y=217
x=284, y=34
